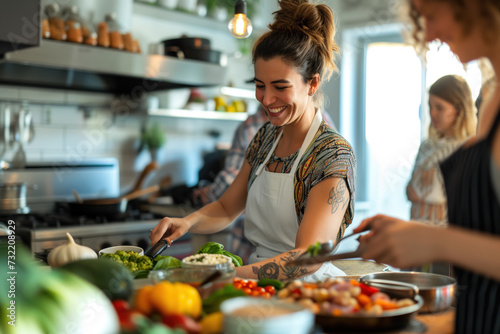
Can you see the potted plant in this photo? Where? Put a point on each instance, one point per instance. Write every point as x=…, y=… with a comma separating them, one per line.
x=153, y=138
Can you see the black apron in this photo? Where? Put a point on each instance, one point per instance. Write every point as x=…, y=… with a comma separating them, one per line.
x=473, y=204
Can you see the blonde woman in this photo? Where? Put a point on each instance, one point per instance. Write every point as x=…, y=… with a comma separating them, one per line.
x=453, y=121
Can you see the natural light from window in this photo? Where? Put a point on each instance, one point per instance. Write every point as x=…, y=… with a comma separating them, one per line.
x=394, y=128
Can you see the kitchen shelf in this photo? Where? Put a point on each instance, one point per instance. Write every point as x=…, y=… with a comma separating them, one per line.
x=153, y=10
x=238, y=92
x=67, y=65
x=199, y=114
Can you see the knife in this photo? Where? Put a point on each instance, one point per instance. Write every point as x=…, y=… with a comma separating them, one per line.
x=307, y=260
x=157, y=248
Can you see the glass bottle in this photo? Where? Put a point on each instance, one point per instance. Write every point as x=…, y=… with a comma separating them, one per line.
x=45, y=26
x=56, y=22
x=115, y=36
x=73, y=24
x=89, y=33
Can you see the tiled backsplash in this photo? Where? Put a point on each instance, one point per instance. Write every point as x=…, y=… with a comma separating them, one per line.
x=63, y=132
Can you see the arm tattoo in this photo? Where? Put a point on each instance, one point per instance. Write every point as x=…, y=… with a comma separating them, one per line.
x=336, y=196
x=272, y=269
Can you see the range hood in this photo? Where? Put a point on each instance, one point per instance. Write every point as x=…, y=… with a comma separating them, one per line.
x=65, y=65
x=19, y=25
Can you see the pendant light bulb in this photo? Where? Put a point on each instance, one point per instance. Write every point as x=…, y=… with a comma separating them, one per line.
x=240, y=26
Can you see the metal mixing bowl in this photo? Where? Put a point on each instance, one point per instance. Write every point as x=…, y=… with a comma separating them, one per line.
x=437, y=291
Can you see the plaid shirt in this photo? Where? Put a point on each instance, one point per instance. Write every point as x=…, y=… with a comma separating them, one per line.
x=236, y=155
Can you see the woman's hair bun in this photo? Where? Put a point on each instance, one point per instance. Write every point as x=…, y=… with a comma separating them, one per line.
x=295, y=15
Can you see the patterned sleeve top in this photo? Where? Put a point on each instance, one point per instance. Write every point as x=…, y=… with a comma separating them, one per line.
x=328, y=156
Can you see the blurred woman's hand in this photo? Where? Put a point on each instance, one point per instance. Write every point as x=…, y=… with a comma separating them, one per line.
x=399, y=243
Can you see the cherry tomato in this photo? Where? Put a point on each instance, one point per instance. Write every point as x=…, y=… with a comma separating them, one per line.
x=247, y=291
x=260, y=289
x=251, y=284
x=270, y=289
x=238, y=285
x=255, y=293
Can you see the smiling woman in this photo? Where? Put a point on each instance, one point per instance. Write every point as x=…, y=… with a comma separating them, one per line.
x=297, y=182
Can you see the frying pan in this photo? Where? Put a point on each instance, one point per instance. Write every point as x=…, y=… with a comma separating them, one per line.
x=108, y=207
x=112, y=207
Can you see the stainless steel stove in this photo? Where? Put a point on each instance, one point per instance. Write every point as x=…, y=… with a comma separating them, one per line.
x=49, y=220
x=41, y=233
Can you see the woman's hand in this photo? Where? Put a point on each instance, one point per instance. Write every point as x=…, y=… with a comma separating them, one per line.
x=399, y=243
x=169, y=229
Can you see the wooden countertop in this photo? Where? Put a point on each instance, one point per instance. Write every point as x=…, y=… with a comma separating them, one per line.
x=437, y=323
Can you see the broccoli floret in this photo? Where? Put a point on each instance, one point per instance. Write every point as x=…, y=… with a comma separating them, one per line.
x=131, y=260
x=123, y=255
x=134, y=256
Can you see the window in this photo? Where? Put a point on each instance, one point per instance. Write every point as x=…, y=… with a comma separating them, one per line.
x=384, y=112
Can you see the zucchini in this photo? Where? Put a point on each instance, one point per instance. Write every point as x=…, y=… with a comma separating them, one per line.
x=113, y=278
x=270, y=281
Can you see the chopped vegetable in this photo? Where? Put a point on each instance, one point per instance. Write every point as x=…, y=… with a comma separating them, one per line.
x=131, y=260
x=314, y=249
x=337, y=297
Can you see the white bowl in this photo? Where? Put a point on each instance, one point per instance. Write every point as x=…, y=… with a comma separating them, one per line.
x=252, y=315
x=114, y=249
x=174, y=98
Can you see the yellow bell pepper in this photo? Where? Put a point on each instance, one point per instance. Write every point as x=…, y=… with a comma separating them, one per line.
x=142, y=301
x=176, y=298
x=212, y=323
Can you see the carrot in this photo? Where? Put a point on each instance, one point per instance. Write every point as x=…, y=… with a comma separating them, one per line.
x=337, y=312
x=386, y=304
x=364, y=300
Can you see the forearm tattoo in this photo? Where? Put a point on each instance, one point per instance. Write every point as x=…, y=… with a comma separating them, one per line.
x=273, y=269
x=337, y=197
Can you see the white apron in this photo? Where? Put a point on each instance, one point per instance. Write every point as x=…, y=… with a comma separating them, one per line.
x=270, y=218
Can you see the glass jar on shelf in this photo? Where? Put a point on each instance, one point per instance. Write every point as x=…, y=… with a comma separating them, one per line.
x=89, y=33
x=56, y=22
x=73, y=24
x=115, y=35
x=45, y=26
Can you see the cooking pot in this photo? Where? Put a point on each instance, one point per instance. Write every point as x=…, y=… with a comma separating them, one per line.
x=193, y=48
x=188, y=42
x=437, y=291
x=13, y=198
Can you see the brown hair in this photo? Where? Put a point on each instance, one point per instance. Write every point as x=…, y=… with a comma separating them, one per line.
x=302, y=34
x=455, y=90
x=488, y=18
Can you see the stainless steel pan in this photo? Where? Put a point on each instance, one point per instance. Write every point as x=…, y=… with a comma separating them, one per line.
x=437, y=291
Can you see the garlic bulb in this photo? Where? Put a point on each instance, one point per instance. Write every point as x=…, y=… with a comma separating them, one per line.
x=69, y=252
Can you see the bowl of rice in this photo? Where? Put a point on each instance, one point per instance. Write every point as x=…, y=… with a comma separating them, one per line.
x=212, y=261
